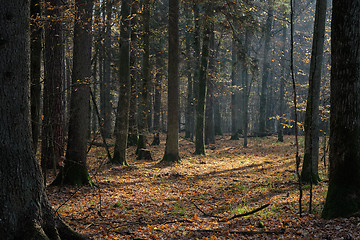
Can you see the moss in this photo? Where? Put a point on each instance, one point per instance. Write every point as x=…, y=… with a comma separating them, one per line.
x=73, y=175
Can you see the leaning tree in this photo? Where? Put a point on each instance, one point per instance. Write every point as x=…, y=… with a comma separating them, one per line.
x=24, y=210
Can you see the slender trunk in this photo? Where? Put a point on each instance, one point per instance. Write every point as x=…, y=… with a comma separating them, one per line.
x=35, y=67
x=265, y=74
x=209, y=114
x=309, y=171
x=282, y=88
x=201, y=103
x=234, y=129
x=122, y=118
x=172, y=142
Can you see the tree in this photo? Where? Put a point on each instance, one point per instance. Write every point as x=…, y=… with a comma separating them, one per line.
x=123, y=109
x=343, y=197
x=145, y=83
x=172, y=144
x=309, y=171
x=24, y=208
x=202, y=84
x=75, y=171
x=265, y=74
x=35, y=70
x=52, y=145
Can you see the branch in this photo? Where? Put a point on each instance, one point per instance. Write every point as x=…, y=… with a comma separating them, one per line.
x=245, y=214
x=279, y=231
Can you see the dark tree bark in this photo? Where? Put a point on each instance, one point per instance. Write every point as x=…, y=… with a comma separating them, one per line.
x=52, y=145
x=123, y=109
x=282, y=87
x=105, y=84
x=143, y=112
x=343, y=197
x=209, y=113
x=234, y=129
x=264, y=82
x=35, y=70
x=246, y=90
x=202, y=84
x=157, y=97
x=189, y=111
x=24, y=209
x=310, y=171
x=75, y=171
x=134, y=75
x=172, y=142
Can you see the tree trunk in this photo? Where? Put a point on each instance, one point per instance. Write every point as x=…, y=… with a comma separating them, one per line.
x=134, y=75
x=35, y=70
x=172, y=143
x=246, y=91
x=234, y=129
x=24, y=208
x=309, y=171
x=282, y=87
x=105, y=86
x=52, y=145
x=200, y=106
x=264, y=83
x=343, y=197
x=122, y=118
x=145, y=85
x=75, y=171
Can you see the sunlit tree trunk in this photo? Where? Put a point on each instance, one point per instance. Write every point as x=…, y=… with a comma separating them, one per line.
x=25, y=211
x=311, y=153
x=209, y=113
x=122, y=118
x=234, y=129
x=75, y=171
x=172, y=142
x=343, y=197
x=282, y=87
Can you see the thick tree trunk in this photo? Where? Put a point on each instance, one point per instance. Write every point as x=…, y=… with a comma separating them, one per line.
x=265, y=72
x=343, y=197
x=172, y=143
x=311, y=153
x=52, y=145
x=24, y=208
x=201, y=103
x=35, y=70
x=75, y=171
x=122, y=118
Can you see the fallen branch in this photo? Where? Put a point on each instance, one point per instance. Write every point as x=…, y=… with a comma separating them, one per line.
x=245, y=214
x=279, y=231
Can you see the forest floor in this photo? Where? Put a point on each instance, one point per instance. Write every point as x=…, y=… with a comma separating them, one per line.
x=196, y=198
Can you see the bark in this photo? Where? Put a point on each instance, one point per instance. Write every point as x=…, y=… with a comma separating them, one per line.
x=217, y=117
x=264, y=82
x=309, y=171
x=209, y=114
x=122, y=118
x=172, y=142
x=134, y=75
x=343, y=197
x=35, y=69
x=157, y=97
x=52, y=145
x=105, y=86
x=234, y=129
x=75, y=171
x=202, y=84
x=246, y=91
x=282, y=88
x=24, y=207
x=145, y=85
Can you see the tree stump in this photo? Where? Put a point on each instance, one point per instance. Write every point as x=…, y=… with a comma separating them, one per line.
x=144, y=154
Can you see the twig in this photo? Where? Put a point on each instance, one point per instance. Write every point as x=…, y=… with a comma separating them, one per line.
x=279, y=231
x=245, y=214
x=205, y=214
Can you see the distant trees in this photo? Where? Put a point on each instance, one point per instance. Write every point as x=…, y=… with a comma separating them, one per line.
x=343, y=197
